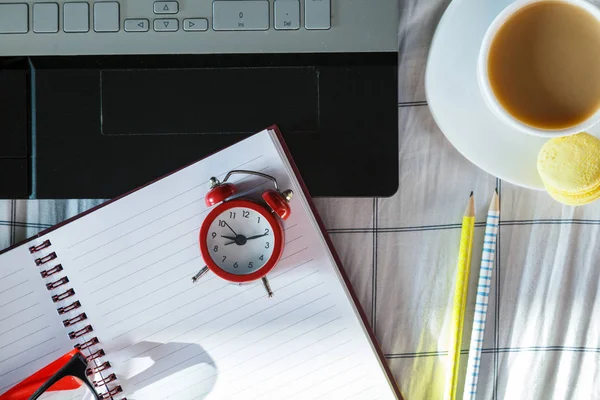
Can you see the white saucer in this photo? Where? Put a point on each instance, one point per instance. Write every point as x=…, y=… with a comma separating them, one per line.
x=458, y=107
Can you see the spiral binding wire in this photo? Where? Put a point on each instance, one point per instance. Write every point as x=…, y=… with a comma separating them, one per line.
x=70, y=307
x=60, y=297
x=75, y=334
x=99, y=368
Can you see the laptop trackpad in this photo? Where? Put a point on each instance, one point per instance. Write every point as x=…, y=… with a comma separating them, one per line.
x=209, y=100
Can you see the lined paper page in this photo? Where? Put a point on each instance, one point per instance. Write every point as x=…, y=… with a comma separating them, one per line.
x=132, y=263
x=31, y=333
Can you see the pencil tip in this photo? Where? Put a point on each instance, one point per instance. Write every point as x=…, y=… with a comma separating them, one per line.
x=471, y=195
x=496, y=190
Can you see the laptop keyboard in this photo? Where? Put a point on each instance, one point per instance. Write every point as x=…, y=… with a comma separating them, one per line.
x=162, y=27
x=107, y=16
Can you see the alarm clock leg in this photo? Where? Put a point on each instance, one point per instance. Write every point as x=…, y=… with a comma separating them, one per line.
x=200, y=273
x=267, y=286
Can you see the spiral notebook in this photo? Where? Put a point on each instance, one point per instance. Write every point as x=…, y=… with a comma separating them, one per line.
x=116, y=281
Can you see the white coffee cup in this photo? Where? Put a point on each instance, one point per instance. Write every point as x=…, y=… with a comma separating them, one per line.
x=486, y=89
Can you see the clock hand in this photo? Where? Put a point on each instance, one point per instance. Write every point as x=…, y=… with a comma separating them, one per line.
x=230, y=228
x=240, y=240
x=256, y=236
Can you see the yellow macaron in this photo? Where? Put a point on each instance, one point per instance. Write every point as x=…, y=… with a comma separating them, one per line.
x=570, y=168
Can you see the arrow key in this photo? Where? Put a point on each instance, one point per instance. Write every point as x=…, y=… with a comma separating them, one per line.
x=166, y=25
x=195, y=24
x=136, y=25
x=166, y=7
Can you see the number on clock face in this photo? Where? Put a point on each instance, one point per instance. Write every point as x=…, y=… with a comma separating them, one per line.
x=240, y=240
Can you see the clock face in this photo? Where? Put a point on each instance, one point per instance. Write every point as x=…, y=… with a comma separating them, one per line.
x=241, y=240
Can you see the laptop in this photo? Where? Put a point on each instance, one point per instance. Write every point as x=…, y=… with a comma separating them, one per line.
x=99, y=97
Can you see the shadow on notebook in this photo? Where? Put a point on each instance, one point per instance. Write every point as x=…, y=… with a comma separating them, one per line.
x=145, y=369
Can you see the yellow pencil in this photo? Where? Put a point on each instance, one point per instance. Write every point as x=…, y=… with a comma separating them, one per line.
x=460, y=299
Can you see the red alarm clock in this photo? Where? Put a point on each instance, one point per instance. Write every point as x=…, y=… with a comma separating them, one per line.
x=241, y=239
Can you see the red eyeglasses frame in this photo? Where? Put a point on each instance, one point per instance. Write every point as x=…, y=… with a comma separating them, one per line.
x=61, y=374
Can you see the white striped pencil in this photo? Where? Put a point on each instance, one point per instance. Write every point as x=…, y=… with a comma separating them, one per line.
x=482, y=300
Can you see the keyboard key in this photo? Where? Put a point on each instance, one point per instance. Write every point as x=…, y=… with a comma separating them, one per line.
x=166, y=25
x=287, y=14
x=195, y=24
x=76, y=17
x=106, y=16
x=241, y=15
x=45, y=17
x=166, y=7
x=137, y=25
x=317, y=14
x=14, y=18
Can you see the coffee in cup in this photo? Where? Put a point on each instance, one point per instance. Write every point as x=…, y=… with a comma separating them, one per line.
x=539, y=66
